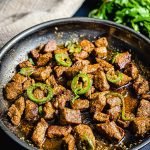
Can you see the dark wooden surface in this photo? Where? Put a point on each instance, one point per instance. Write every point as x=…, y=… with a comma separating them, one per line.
x=5, y=141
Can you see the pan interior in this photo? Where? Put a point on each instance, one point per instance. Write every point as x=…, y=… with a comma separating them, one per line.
x=62, y=31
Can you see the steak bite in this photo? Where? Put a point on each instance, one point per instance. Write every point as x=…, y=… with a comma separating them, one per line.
x=98, y=101
x=51, y=81
x=68, y=142
x=28, y=83
x=81, y=55
x=43, y=59
x=101, y=52
x=100, y=81
x=42, y=73
x=131, y=70
x=50, y=46
x=105, y=66
x=35, y=53
x=113, y=101
x=143, y=109
x=122, y=59
x=80, y=104
x=141, y=125
x=58, y=131
x=146, y=96
x=38, y=135
x=58, y=90
x=13, y=90
x=31, y=111
x=141, y=85
x=16, y=110
x=59, y=70
x=61, y=99
x=19, y=78
x=90, y=92
x=114, y=112
x=111, y=130
x=101, y=42
x=70, y=116
x=87, y=46
x=84, y=136
x=38, y=93
x=25, y=64
x=100, y=117
x=91, y=69
x=48, y=111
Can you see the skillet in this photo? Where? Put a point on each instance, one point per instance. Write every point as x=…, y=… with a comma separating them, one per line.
x=15, y=51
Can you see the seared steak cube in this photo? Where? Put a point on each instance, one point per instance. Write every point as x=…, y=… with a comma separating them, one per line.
x=59, y=70
x=100, y=81
x=146, y=96
x=122, y=59
x=101, y=42
x=38, y=135
x=58, y=131
x=68, y=142
x=28, y=83
x=113, y=101
x=31, y=111
x=43, y=59
x=105, y=66
x=51, y=81
x=61, y=99
x=38, y=93
x=143, y=109
x=81, y=55
x=141, y=125
x=16, y=110
x=98, y=101
x=42, y=73
x=58, y=90
x=25, y=64
x=48, y=111
x=100, y=117
x=70, y=116
x=111, y=130
x=50, y=46
x=141, y=85
x=13, y=90
x=80, y=104
x=101, y=52
x=131, y=70
x=35, y=53
x=114, y=112
x=87, y=46
x=91, y=69
x=84, y=137
x=19, y=78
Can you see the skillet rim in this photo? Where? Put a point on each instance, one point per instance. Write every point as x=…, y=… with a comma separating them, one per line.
x=56, y=22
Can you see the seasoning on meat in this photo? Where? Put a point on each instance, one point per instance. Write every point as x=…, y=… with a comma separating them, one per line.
x=113, y=101
x=122, y=59
x=42, y=73
x=48, y=111
x=70, y=116
x=25, y=64
x=80, y=104
x=141, y=125
x=38, y=135
x=13, y=90
x=35, y=53
x=131, y=70
x=143, y=109
x=100, y=81
x=58, y=131
x=43, y=59
x=31, y=111
x=84, y=137
x=141, y=85
x=101, y=52
x=111, y=130
x=101, y=42
x=50, y=46
x=114, y=112
x=100, y=117
x=28, y=83
x=68, y=142
x=59, y=70
x=16, y=110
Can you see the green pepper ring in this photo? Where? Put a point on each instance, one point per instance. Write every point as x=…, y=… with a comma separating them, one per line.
x=43, y=86
x=79, y=90
x=60, y=58
x=119, y=77
x=123, y=105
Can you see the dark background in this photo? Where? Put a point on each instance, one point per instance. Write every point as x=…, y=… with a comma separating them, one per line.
x=5, y=141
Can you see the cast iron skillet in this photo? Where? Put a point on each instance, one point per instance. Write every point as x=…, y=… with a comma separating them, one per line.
x=16, y=51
